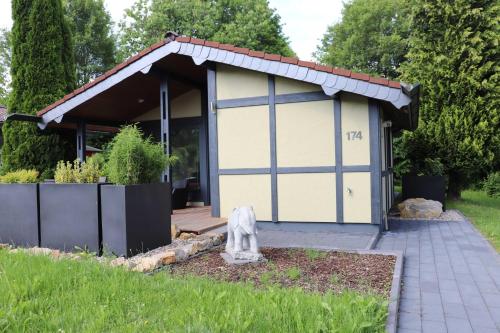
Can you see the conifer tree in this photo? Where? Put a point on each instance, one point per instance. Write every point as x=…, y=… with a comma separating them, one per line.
x=42, y=71
x=454, y=55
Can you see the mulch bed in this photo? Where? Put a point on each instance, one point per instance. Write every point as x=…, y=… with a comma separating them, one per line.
x=310, y=270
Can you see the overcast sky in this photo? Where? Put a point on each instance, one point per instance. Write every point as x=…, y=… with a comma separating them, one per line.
x=305, y=21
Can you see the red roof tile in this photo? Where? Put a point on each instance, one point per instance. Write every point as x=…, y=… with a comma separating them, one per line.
x=232, y=48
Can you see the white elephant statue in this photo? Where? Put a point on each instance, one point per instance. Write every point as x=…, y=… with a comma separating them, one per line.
x=242, y=234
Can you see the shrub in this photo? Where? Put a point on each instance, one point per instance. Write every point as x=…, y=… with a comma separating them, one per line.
x=491, y=184
x=76, y=172
x=20, y=177
x=135, y=160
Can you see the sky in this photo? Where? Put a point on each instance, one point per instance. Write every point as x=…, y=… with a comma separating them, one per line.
x=304, y=21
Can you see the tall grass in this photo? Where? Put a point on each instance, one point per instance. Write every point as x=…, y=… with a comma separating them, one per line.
x=38, y=294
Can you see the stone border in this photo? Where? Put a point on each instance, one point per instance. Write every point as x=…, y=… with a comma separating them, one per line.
x=373, y=241
x=391, y=325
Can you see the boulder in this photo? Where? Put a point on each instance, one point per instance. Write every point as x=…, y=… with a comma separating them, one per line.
x=175, y=231
x=420, y=208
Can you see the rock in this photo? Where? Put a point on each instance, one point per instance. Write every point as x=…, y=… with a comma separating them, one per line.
x=420, y=208
x=4, y=246
x=39, y=251
x=175, y=231
x=186, y=235
x=168, y=258
x=147, y=264
x=120, y=261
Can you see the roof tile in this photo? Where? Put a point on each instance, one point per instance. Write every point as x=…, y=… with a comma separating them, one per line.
x=241, y=50
x=379, y=80
x=273, y=57
x=360, y=76
x=183, y=39
x=226, y=47
x=289, y=60
x=211, y=44
x=257, y=54
x=197, y=41
x=394, y=84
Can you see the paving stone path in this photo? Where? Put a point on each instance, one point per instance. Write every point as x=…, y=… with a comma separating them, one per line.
x=451, y=277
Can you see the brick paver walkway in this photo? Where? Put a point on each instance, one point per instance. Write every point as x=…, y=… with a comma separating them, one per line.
x=451, y=278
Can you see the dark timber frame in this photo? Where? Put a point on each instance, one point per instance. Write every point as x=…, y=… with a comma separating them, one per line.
x=81, y=140
x=374, y=168
x=165, y=123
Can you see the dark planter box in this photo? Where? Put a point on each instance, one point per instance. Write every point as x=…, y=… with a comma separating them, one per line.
x=135, y=218
x=69, y=216
x=427, y=187
x=19, y=214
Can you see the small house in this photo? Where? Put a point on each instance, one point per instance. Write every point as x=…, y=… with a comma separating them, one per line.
x=307, y=145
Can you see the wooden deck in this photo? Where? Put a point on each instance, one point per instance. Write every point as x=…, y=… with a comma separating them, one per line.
x=196, y=219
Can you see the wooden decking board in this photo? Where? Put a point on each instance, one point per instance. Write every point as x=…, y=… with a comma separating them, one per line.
x=196, y=220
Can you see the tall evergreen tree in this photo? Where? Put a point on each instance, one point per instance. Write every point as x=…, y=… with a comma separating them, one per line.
x=372, y=37
x=5, y=56
x=42, y=71
x=251, y=24
x=94, y=45
x=454, y=55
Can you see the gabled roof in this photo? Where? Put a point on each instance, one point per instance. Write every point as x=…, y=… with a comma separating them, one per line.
x=3, y=113
x=331, y=79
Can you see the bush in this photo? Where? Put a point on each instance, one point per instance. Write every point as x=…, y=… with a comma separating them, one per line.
x=491, y=184
x=20, y=177
x=135, y=160
x=76, y=172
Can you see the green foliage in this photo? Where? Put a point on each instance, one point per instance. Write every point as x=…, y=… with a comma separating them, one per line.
x=42, y=71
x=244, y=23
x=372, y=37
x=135, y=160
x=410, y=145
x=491, y=184
x=20, y=176
x=94, y=45
x=314, y=254
x=454, y=55
x=76, y=172
x=293, y=273
x=33, y=288
x=483, y=211
x=5, y=59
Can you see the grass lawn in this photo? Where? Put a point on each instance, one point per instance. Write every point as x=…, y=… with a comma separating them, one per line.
x=40, y=294
x=483, y=211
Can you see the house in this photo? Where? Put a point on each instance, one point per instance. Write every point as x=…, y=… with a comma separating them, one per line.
x=307, y=145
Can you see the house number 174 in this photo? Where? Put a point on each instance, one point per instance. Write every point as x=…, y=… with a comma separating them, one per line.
x=354, y=135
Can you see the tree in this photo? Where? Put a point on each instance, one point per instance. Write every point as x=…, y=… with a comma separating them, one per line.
x=5, y=56
x=42, y=72
x=454, y=55
x=372, y=37
x=94, y=46
x=249, y=24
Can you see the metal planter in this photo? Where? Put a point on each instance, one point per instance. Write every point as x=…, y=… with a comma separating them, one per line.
x=135, y=218
x=19, y=214
x=427, y=187
x=70, y=217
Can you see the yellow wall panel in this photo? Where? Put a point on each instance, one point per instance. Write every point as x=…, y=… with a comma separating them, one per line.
x=289, y=86
x=243, y=137
x=184, y=106
x=305, y=134
x=233, y=82
x=307, y=197
x=357, y=197
x=246, y=190
x=355, y=130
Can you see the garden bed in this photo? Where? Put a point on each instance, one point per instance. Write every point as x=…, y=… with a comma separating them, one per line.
x=310, y=270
